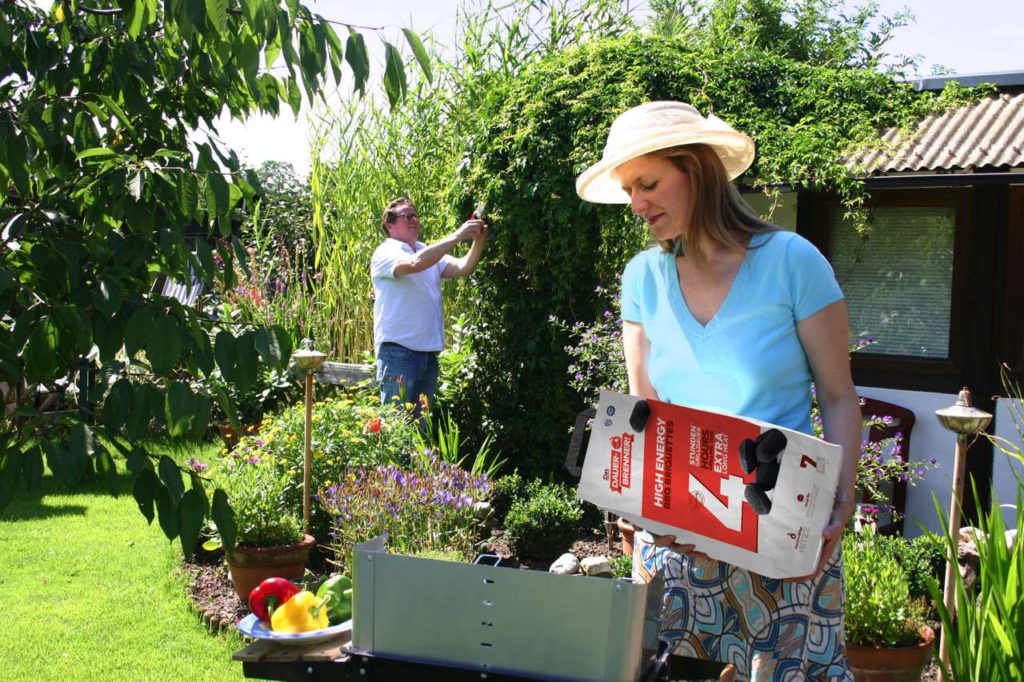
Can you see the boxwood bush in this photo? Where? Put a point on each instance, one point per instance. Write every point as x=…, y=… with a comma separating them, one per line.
x=543, y=523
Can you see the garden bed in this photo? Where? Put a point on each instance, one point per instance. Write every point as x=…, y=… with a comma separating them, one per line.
x=213, y=596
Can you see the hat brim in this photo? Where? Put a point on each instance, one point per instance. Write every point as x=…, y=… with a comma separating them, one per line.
x=597, y=184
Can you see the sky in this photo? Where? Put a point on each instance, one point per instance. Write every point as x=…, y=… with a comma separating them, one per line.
x=982, y=36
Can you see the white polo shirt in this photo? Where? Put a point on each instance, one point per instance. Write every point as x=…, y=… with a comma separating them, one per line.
x=406, y=309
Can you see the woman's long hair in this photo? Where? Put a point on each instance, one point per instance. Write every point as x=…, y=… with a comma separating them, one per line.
x=718, y=209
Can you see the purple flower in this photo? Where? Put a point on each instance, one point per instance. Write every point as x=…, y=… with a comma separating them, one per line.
x=196, y=465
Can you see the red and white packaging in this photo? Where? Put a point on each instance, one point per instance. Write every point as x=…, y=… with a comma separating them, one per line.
x=681, y=476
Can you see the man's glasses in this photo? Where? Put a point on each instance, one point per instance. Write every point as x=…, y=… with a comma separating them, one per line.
x=408, y=215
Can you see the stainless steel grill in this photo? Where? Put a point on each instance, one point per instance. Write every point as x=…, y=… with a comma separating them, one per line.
x=501, y=620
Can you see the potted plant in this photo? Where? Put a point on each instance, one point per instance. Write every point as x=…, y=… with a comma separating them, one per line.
x=886, y=636
x=269, y=540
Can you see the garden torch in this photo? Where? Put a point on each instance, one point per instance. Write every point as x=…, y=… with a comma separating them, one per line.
x=966, y=422
x=309, y=361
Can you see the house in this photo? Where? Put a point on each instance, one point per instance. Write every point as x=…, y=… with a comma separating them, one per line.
x=939, y=283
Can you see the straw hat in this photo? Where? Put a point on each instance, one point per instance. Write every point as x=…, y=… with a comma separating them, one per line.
x=659, y=125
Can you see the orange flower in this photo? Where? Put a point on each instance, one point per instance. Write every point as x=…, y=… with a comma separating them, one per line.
x=373, y=425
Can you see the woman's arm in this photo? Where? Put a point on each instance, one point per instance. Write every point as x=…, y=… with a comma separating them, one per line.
x=825, y=336
x=636, y=346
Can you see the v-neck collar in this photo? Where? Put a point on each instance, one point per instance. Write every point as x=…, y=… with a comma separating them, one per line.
x=684, y=316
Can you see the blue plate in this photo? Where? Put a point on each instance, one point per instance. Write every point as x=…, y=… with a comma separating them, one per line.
x=251, y=626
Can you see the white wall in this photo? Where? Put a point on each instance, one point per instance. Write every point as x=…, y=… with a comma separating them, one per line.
x=928, y=439
x=1006, y=470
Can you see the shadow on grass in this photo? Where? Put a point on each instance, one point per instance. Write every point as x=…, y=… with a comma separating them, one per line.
x=27, y=505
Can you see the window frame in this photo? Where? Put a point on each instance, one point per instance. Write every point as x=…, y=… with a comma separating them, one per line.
x=894, y=370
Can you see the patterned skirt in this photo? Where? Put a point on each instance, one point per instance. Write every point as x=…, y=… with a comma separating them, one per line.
x=768, y=628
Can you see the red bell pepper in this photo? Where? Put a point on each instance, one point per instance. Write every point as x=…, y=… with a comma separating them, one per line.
x=270, y=594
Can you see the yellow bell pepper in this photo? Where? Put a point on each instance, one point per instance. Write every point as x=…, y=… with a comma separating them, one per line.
x=302, y=613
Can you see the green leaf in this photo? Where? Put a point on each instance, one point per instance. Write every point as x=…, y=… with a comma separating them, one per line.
x=228, y=271
x=224, y=518
x=294, y=95
x=163, y=345
x=107, y=296
x=108, y=335
x=196, y=485
x=10, y=465
x=188, y=194
x=167, y=513
x=207, y=264
x=115, y=108
x=118, y=405
x=420, y=53
x=202, y=350
x=229, y=408
x=201, y=419
x=105, y=469
x=218, y=199
x=137, y=460
x=180, y=409
x=97, y=154
x=192, y=513
x=358, y=60
x=284, y=342
x=246, y=361
x=32, y=468
x=137, y=331
x=155, y=402
x=135, y=18
x=268, y=346
x=394, y=74
x=41, y=350
x=217, y=14
x=243, y=261
x=224, y=352
x=145, y=491
x=170, y=474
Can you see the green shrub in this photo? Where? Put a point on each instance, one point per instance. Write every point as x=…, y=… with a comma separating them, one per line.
x=507, y=489
x=924, y=559
x=879, y=611
x=256, y=491
x=622, y=566
x=543, y=522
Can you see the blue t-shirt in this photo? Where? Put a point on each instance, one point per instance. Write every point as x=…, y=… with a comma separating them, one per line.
x=748, y=359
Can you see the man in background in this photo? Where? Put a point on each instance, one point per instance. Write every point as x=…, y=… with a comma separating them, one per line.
x=408, y=328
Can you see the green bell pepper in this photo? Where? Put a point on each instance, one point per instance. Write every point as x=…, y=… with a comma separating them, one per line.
x=338, y=590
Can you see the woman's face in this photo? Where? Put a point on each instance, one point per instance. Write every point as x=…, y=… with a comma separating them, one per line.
x=660, y=193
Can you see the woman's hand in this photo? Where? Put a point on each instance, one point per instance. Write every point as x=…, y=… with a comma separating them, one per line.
x=670, y=542
x=833, y=534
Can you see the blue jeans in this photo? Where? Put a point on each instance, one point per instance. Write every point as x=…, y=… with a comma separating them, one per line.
x=404, y=375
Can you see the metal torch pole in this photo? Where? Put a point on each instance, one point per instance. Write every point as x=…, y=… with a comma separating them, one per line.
x=307, y=469
x=952, y=562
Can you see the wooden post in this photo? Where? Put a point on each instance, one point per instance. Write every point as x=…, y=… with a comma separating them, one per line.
x=307, y=469
x=952, y=562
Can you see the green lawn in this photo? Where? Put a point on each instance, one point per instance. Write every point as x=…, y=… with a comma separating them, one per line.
x=90, y=592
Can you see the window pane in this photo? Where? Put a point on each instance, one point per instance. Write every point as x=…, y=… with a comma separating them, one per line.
x=898, y=281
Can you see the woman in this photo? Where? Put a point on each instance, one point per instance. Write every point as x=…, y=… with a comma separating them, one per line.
x=732, y=313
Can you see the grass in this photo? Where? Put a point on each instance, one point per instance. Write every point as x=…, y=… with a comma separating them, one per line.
x=90, y=592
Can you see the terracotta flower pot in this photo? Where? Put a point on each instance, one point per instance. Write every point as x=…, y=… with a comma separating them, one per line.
x=250, y=566
x=627, y=530
x=891, y=664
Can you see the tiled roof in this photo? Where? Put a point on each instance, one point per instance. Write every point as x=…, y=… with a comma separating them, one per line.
x=986, y=134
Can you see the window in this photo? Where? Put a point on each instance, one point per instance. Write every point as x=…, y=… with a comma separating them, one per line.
x=899, y=280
